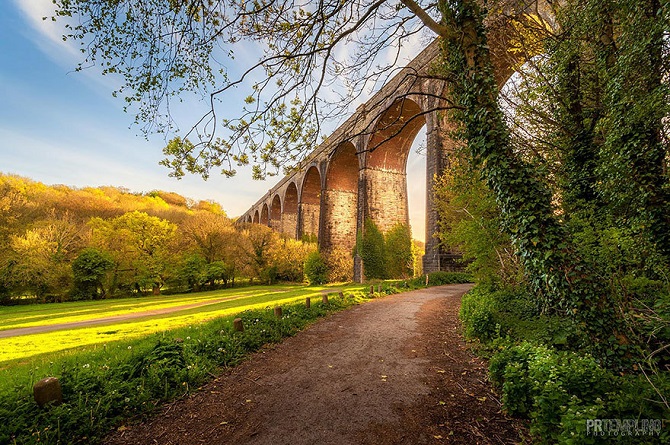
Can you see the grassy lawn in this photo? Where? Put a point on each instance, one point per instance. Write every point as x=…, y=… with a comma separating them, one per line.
x=110, y=373
x=222, y=303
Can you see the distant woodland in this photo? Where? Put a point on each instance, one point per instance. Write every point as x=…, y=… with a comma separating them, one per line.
x=60, y=243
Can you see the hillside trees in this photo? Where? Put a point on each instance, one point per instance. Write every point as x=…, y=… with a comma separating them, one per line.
x=55, y=247
x=141, y=246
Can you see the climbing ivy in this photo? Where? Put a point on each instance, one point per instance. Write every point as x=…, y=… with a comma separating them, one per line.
x=599, y=177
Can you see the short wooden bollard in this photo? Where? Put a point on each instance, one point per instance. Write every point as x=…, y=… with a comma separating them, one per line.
x=324, y=299
x=372, y=289
x=308, y=302
x=238, y=326
x=278, y=312
x=48, y=390
x=379, y=288
x=341, y=294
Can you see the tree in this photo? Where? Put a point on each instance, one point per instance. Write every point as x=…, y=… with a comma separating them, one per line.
x=210, y=233
x=258, y=242
x=303, y=50
x=141, y=247
x=90, y=270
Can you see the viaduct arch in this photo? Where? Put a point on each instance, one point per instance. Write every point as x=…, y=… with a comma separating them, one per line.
x=359, y=172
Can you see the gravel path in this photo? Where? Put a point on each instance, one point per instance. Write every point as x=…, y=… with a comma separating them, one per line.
x=106, y=320
x=392, y=371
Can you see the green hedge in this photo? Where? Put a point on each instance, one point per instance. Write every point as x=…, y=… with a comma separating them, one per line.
x=536, y=362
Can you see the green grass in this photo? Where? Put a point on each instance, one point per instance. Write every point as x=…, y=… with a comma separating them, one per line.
x=106, y=383
x=12, y=317
x=24, y=346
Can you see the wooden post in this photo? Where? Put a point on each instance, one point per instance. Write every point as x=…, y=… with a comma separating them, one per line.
x=324, y=299
x=278, y=312
x=308, y=302
x=426, y=280
x=341, y=294
x=379, y=288
x=372, y=289
x=238, y=326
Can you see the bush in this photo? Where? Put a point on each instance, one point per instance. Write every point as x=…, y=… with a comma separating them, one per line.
x=477, y=314
x=370, y=246
x=398, y=252
x=316, y=269
x=537, y=364
x=340, y=266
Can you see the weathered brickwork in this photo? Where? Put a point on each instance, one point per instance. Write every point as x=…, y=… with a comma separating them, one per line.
x=360, y=170
x=310, y=214
x=339, y=227
x=386, y=198
x=289, y=224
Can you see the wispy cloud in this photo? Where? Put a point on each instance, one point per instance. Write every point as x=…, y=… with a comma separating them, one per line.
x=47, y=35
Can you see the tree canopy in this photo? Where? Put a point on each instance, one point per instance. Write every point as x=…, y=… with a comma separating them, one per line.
x=314, y=63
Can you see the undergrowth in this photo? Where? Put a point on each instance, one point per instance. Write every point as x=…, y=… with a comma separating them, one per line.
x=541, y=365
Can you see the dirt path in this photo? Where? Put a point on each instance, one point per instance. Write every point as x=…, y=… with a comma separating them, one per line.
x=105, y=320
x=392, y=371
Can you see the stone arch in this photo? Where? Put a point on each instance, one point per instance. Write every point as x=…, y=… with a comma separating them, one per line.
x=248, y=219
x=290, y=211
x=385, y=170
x=256, y=219
x=265, y=215
x=310, y=203
x=275, y=213
x=341, y=199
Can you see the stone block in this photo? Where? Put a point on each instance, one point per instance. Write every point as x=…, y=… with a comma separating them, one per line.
x=48, y=390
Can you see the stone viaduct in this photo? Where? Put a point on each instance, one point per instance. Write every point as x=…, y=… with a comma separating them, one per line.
x=359, y=172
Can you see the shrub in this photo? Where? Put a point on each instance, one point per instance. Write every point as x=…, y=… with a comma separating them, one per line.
x=370, y=246
x=542, y=383
x=340, y=266
x=316, y=269
x=398, y=252
x=477, y=314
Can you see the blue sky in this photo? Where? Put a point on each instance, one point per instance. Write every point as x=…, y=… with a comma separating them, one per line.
x=58, y=126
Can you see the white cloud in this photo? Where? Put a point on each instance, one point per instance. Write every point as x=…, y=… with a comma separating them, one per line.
x=47, y=36
x=50, y=33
